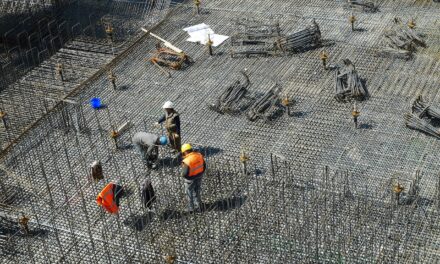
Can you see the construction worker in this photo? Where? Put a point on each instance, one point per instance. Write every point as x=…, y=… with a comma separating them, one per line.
x=172, y=125
x=109, y=197
x=193, y=167
x=147, y=146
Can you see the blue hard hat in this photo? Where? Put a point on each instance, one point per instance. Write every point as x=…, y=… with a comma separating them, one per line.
x=163, y=140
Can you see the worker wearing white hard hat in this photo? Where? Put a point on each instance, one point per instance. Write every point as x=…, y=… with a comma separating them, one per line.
x=168, y=105
x=172, y=125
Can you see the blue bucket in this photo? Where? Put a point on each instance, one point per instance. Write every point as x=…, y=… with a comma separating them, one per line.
x=96, y=103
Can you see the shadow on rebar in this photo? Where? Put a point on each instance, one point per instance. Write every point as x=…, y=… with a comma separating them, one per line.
x=42, y=233
x=221, y=205
x=139, y=222
x=209, y=151
x=123, y=87
x=226, y=204
x=366, y=126
x=169, y=162
x=360, y=30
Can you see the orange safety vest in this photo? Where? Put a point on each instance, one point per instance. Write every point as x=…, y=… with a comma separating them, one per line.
x=106, y=199
x=194, y=161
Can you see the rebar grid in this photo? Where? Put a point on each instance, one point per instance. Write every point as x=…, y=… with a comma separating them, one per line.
x=286, y=208
x=81, y=47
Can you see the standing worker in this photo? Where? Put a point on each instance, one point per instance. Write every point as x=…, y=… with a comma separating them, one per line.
x=193, y=167
x=147, y=146
x=172, y=125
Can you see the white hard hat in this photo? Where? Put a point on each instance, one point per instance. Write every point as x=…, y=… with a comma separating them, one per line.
x=168, y=105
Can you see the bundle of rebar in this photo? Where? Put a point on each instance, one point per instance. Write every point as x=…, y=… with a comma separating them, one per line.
x=348, y=83
x=362, y=5
x=268, y=40
x=308, y=38
x=414, y=122
x=254, y=29
x=262, y=106
x=229, y=100
x=401, y=41
x=423, y=109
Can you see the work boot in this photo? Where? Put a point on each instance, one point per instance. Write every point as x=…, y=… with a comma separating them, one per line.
x=201, y=208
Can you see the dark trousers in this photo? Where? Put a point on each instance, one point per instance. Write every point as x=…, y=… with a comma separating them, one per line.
x=174, y=139
x=149, y=158
x=192, y=190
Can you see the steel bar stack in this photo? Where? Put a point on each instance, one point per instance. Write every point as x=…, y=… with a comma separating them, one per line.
x=415, y=122
x=362, y=5
x=263, y=106
x=422, y=109
x=401, y=41
x=308, y=38
x=230, y=101
x=422, y=116
x=255, y=38
x=348, y=83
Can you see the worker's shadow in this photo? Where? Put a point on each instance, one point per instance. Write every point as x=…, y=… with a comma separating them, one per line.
x=225, y=204
x=366, y=126
x=139, y=222
x=209, y=151
x=221, y=205
x=39, y=233
x=169, y=162
x=123, y=87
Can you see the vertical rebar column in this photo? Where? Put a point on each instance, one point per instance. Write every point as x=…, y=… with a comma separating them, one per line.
x=197, y=4
x=243, y=159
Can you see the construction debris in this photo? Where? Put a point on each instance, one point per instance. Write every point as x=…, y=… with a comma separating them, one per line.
x=401, y=41
x=231, y=98
x=348, y=83
x=203, y=34
x=166, y=43
x=168, y=58
x=267, y=40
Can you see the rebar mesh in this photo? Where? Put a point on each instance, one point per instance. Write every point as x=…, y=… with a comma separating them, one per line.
x=329, y=193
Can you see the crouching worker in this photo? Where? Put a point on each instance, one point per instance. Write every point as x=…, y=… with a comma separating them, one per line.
x=147, y=145
x=109, y=197
x=193, y=168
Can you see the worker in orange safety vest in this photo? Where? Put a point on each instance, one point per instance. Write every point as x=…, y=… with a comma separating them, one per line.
x=109, y=197
x=193, y=167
